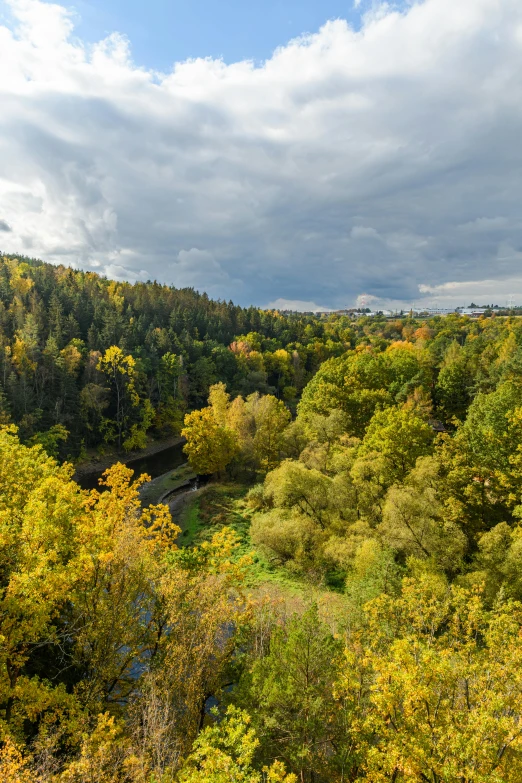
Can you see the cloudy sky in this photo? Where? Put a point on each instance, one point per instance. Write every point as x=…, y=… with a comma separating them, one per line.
x=310, y=153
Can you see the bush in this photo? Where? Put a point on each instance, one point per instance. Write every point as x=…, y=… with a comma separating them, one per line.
x=256, y=498
x=286, y=535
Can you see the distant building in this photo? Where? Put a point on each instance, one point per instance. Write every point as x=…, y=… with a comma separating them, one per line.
x=373, y=313
x=474, y=312
x=438, y=311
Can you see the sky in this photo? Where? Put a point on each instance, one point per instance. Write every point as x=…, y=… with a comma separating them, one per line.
x=290, y=154
x=162, y=32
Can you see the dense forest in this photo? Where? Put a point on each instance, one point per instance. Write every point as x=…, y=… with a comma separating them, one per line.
x=340, y=603
x=106, y=363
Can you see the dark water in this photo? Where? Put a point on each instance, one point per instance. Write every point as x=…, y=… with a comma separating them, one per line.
x=155, y=464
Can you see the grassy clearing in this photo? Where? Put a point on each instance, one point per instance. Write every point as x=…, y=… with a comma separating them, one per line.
x=189, y=523
x=223, y=505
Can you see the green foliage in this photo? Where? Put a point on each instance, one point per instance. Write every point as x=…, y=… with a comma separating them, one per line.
x=400, y=437
x=289, y=536
x=498, y=562
x=414, y=520
x=209, y=447
x=292, y=485
x=444, y=688
x=50, y=440
x=270, y=419
x=454, y=389
x=290, y=694
x=487, y=435
x=225, y=752
x=61, y=331
x=90, y=583
x=374, y=572
x=363, y=381
x=380, y=636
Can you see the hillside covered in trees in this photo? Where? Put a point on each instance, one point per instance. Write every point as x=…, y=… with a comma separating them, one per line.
x=112, y=362
x=342, y=602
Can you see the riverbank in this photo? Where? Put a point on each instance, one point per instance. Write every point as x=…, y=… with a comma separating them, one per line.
x=161, y=488
x=203, y=511
x=96, y=464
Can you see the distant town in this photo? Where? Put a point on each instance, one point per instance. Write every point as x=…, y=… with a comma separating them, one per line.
x=472, y=311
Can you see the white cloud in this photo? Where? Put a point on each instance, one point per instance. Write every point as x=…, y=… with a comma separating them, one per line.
x=198, y=269
x=488, y=291
x=120, y=272
x=296, y=305
x=364, y=232
x=485, y=224
x=273, y=181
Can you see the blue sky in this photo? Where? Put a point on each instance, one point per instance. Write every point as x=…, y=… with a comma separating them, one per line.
x=163, y=31
x=377, y=157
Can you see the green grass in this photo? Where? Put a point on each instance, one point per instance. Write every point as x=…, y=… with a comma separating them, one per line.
x=223, y=505
x=190, y=524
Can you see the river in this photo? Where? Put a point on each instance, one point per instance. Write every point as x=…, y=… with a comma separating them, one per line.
x=154, y=464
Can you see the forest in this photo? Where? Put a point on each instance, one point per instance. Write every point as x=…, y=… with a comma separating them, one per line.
x=108, y=364
x=341, y=600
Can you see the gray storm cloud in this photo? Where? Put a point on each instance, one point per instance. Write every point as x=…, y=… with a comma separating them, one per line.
x=385, y=161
